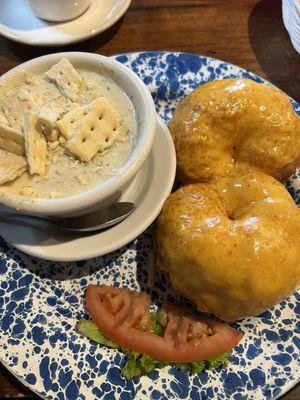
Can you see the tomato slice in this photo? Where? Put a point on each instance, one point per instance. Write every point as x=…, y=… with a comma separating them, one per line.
x=123, y=316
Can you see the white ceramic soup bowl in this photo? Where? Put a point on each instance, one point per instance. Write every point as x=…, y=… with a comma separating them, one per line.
x=107, y=191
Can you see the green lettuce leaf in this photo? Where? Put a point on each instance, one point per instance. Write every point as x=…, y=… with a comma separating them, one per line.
x=132, y=369
x=90, y=330
x=193, y=367
x=140, y=364
x=157, y=328
x=220, y=360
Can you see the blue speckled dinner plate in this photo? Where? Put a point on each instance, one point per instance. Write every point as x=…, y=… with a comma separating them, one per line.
x=40, y=301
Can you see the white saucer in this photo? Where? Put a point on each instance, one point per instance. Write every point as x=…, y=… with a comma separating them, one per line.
x=18, y=23
x=148, y=191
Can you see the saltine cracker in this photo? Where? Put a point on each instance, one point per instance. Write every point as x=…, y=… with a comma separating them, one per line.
x=35, y=145
x=91, y=128
x=11, y=140
x=66, y=78
x=15, y=106
x=11, y=166
x=48, y=116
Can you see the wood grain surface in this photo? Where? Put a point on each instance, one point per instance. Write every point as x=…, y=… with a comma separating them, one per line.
x=249, y=33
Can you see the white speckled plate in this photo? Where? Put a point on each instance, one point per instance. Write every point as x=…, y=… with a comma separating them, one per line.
x=18, y=23
x=41, y=301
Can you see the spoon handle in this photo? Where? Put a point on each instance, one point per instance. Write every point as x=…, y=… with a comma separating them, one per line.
x=96, y=220
x=29, y=217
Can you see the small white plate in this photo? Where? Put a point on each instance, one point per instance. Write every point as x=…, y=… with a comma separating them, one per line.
x=148, y=191
x=18, y=23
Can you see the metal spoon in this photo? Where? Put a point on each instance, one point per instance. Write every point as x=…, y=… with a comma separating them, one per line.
x=94, y=221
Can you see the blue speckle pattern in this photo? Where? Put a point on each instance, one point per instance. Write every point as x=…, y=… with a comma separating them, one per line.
x=40, y=301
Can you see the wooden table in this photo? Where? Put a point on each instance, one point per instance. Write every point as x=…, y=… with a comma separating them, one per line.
x=249, y=33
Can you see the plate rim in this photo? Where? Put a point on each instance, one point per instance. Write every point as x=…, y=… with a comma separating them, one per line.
x=66, y=41
x=203, y=56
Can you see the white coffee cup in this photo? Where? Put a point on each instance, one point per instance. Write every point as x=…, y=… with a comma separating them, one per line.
x=59, y=10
